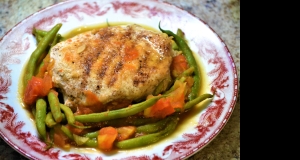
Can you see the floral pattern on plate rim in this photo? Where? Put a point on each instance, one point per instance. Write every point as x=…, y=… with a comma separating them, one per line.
x=212, y=50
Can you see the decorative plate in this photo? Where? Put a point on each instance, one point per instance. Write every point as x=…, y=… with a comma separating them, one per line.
x=220, y=77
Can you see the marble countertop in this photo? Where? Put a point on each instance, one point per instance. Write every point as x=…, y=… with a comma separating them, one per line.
x=223, y=16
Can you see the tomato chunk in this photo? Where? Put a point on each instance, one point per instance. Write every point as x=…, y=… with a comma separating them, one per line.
x=166, y=106
x=36, y=88
x=106, y=138
x=125, y=132
x=47, y=85
x=179, y=65
x=178, y=95
x=160, y=109
x=32, y=91
x=60, y=139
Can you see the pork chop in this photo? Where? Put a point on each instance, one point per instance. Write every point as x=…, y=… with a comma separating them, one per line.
x=111, y=66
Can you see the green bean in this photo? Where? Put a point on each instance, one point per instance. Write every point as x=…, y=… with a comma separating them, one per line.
x=120, y=113
x=56, y=40
x=50, y=142
x=55, y=106
x=38, y=39
x=92, y=134
x=180, y=33
x=67, y=132
x=64, y=119
x=159, y=88
x=152, y=127
x=162, y=86
x=38, y=52
x=80, y=140
x=70, y=116
x=127, y=121
x=41, y=109
x=186, y=73
x=42, y=33
x=142, y=121
x=197, y=100
x=62, y=39
x=183, y=46
x=34, y=31
x=182, y=79
x=50, y=122
x=69, y=113
x=149, y=138
x=39, y=34
x=91, y=143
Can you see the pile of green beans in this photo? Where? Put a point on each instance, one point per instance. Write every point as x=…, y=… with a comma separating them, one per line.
x=46, y=40
x=149, y=138
x=50, y=113
x=120, y=113
x=153, y=127
x=37, y=54
x=187, y=52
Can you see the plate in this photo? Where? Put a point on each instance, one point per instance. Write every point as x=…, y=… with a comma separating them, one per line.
x=219, y=76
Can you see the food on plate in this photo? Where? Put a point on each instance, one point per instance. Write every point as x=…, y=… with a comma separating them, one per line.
x=114, y=87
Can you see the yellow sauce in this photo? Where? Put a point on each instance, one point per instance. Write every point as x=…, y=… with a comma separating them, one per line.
x=21, y=89
x=86, y=28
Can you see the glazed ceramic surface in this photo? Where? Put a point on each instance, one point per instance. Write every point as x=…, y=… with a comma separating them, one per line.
x=218, y=76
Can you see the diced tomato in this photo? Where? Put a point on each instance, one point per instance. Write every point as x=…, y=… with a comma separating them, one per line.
x=166, y=106
x=32, y=91
x=36, y=88
x=178, y=95
x=47, y=85
x=125, y=132
x=60, y=139
x=160, y=109
x=179, y=65
x=106, y=138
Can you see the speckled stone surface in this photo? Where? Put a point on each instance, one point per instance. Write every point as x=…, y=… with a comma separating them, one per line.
x=223, y=16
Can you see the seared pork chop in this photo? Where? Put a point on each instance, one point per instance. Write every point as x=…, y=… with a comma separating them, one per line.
x=111, y=66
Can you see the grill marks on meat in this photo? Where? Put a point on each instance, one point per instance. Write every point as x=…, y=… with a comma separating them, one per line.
x=120, y=63
x=114, y=77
